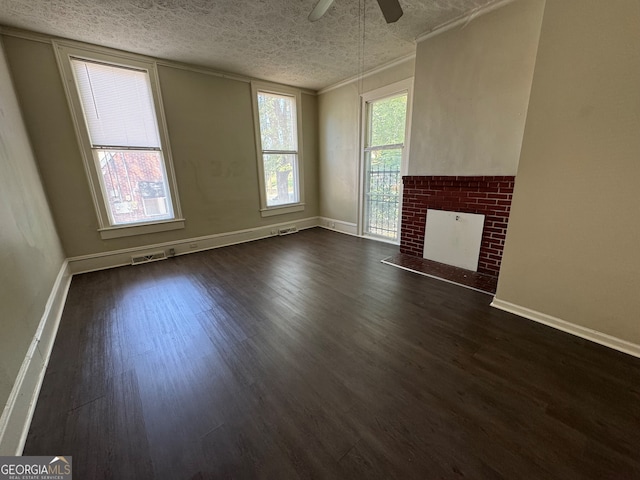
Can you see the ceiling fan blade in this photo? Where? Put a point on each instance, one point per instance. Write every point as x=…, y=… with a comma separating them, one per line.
x=319, y=10
x=391, y=10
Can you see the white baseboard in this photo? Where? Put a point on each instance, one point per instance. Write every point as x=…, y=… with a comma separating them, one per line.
x=339, y=226
x=118, y=258
x=17, y=413
x=572, y=328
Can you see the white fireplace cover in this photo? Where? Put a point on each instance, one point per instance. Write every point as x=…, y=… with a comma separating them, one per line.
x=453, y=238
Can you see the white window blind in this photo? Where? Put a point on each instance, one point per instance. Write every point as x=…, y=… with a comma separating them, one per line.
x=117, y=104
x=117, y=110
x=277, y=122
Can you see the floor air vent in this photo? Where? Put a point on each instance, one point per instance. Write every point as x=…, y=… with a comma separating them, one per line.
x=148, y=257
x=287, y=231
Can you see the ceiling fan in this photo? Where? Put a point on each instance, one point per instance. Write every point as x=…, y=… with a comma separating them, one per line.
x=391, y=10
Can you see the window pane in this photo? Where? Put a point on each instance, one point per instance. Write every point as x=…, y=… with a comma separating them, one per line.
x=281, y=184
x=277, y=122
x=134, y=184
x=382, y=192
x=117, y=105
x=387, y=121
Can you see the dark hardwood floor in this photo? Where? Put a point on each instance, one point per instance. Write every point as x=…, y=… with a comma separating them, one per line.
x=305, y=357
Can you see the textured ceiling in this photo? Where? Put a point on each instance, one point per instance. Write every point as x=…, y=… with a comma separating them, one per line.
x=268, y=39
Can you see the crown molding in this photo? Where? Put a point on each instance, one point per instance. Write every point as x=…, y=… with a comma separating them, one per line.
x=51, y=39
x=26, y=34
x=463, y=19
x=368, y=73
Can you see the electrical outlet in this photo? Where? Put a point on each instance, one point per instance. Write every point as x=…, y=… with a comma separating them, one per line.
x=172, y=252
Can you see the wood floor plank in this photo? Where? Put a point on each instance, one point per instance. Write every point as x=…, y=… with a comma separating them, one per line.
x=244, y=452
x=305, y=357
x=105, y=440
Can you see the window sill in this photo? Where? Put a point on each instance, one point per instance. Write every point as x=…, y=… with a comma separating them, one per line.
x=140, y=229
x=281, y=210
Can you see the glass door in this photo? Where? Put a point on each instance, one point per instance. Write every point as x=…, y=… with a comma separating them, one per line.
x=384, y=144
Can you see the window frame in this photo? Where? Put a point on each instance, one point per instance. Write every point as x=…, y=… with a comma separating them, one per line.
x=65, y=52
x=265, y=87
x=387, y=91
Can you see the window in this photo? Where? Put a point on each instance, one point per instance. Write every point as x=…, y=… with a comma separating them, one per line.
x=277, y=136
x=116, y=110
x=385, y=125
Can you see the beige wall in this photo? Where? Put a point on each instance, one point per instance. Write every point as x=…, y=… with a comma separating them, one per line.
x=572, y=248
x=210, y=123
x=211, y=129
x=339, y=133
x=30, y=252
x=471, y=91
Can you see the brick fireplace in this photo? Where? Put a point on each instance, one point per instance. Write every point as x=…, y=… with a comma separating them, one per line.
x=487, y=195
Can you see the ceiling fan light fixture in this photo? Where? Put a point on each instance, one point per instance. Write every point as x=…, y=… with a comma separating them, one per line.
x=319, y=10
x=391, y=10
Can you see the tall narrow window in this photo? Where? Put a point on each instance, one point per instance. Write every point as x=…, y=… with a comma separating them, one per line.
x=123, y=144
x=385, y=126
x=279, y=151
